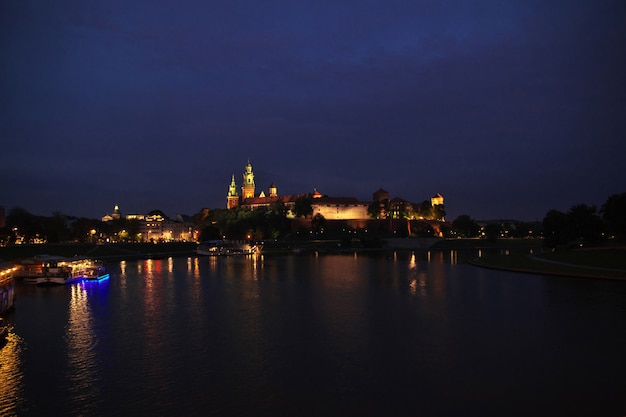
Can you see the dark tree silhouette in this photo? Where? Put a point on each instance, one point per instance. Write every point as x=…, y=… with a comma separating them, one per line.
x=614, y=215
x=303, y=207
x=555, y=231
x=584, y=224
x=465, y=226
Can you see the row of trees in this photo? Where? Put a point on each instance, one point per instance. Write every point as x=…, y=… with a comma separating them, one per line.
x=466, y=227
x=238, y=223
x=384, y=209
x=583, y=223
x=262, y=223
x=23, y=227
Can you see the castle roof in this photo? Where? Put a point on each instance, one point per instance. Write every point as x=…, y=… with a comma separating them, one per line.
x=255, y=201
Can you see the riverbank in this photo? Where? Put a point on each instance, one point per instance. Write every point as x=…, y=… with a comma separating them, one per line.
x=109, y=251
x=142, y=250
x=601, y=263
x=598, y=263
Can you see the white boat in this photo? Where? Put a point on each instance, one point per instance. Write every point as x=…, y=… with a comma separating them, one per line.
x=225, y=248
x=51, y=270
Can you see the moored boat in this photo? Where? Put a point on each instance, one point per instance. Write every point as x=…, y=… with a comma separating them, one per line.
x=56, y=270
x=7, y=288
x=95, y=273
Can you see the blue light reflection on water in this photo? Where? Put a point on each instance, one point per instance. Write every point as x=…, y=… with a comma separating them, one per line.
x=384, y=334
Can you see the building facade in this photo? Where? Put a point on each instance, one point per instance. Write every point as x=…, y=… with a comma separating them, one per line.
x=155, y=226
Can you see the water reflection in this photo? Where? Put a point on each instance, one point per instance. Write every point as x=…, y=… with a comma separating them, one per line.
x=193, y=267
x=170, y=265
x=11, y=375
x=454, y=257
x=417, y=278
x=81, y=343
x=393, y=333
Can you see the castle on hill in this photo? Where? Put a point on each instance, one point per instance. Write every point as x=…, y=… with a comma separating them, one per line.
x=332, y=208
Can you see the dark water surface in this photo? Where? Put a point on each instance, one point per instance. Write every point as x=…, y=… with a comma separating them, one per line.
x=317, y=335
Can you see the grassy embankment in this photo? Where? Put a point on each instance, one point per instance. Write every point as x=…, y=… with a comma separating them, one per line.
x=471, y=244
x=605, y=263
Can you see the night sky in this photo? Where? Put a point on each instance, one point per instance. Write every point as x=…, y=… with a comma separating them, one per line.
x=506, y=108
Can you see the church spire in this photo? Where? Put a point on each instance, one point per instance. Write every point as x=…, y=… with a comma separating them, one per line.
x=232, y=197
x=232, y=189
x=273, y=190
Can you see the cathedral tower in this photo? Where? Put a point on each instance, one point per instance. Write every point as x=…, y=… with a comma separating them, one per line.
x=247, y=189
x=233, y=197
x=273, y=190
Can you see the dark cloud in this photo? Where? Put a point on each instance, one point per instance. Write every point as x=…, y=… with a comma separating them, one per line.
x=507, y=109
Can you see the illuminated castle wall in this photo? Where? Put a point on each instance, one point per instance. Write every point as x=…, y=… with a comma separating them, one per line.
x=342, y=208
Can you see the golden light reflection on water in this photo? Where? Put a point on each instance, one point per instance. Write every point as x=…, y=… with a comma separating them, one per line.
x=81, y=341
x=149, y=265
x=257, y=266
x=152, y=280
x=196, y=268
x=417, y=280
x=193, y=267
x=11, y=376
x=345, y=271
x=170, y=265
x=121, y=279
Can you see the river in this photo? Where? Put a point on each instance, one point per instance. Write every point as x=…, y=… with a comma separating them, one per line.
x=384, y=334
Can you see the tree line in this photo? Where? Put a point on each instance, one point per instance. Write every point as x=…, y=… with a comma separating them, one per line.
x=23, y=227
x=581, y=224
x=585, y=224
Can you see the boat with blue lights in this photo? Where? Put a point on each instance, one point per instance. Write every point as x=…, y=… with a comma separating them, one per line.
x=95, y=273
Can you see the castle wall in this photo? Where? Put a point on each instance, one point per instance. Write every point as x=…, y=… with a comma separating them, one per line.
x=341, y=211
